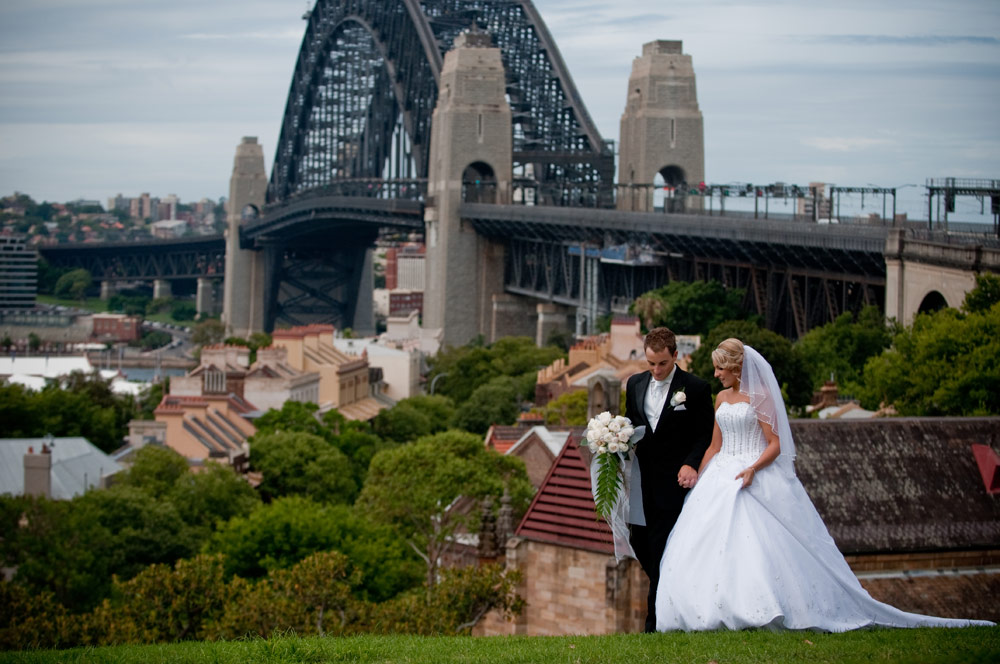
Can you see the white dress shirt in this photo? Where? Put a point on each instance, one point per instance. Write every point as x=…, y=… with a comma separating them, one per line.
x=656, y=397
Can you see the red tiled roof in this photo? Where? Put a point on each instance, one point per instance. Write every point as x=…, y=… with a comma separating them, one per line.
x=563, y=510
x=502, y=438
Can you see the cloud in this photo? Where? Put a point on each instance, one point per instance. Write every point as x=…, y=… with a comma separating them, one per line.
x=843, y=143
x=906, y=40
x=295, y=35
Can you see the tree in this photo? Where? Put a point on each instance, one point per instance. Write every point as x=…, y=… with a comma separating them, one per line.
x=29, y=620
x=295, y=463
x=86, y=407
x=58, y=547
x=74, y=284
x=211, y=497
x=150, y=399
x=784, y=359
x=155, y=470
x=984, y=295
x=496, y=402
x=142, y=529
x=414, y=417
x=457, y=602
x=463, y=369
x=165, y=603
x=321, y=583
x=183, y=311
x=279, y=535
x=34, y=342
x=259, y=340
x=649, y=307
x=413, y=489
x=693, y=307
x=841, y=348
x=208, y=332
x=569, y=409
x=294, y=416
x=946, y=363
x=131, y=302
x=48, y=276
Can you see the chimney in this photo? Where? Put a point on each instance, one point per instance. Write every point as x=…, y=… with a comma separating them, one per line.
x=38, y=473
x=828, y=394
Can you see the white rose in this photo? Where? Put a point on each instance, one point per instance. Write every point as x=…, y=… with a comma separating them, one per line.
x=614, y=426
x=613, y=446
x=623, y=437
x=602, y=449
x=678, y=398
x=628, y=431
x=604, y=418
x=593, y=435
x=607, y=437
x=593, y=446
x=621, y=420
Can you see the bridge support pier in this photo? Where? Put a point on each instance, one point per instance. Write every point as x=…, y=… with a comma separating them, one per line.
x=108, y=288
x=471, y=145
x=161, y=289
x=513, y=316
x=206, y=300
x=551, y=318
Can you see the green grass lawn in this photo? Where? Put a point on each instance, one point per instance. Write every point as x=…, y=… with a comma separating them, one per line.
x=976, y=644
x=97, y=305
x=94, y=304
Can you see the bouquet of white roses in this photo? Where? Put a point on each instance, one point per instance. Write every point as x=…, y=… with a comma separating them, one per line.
x=610, y=438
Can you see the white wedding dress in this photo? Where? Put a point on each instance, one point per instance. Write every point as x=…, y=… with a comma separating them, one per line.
x=761, y=556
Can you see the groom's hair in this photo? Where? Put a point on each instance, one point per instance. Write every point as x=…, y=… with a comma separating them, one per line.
x=660, y=338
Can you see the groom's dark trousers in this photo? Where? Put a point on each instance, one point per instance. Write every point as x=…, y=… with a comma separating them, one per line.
x=682, y=435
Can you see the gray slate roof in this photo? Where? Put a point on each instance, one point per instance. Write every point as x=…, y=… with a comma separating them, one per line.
x=900, y=484
x=76, y=465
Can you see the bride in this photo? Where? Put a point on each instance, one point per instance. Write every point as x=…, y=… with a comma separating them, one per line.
x=749, y=548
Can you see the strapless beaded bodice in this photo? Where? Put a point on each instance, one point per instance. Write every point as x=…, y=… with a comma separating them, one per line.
x=741, y=433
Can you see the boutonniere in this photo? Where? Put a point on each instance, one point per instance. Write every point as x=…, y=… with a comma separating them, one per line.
x=678, y=398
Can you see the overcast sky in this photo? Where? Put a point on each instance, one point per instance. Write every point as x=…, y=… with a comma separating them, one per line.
x=99, y=97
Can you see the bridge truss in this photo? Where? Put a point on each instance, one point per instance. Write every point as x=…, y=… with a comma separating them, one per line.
x=357, y=124
x=796, y=276
x=365, y=86
x=185, y=258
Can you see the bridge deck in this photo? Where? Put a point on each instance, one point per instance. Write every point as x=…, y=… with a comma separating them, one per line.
x=856, y=250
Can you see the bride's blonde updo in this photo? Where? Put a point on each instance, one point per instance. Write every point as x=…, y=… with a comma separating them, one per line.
x=729, y=355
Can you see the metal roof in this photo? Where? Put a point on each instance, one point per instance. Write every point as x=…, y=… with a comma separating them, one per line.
x=77, y=465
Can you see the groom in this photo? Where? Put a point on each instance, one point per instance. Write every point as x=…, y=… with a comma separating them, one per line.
x=676, y=408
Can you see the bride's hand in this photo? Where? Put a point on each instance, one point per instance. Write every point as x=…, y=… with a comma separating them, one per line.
x=747, y=475
x=687, y=476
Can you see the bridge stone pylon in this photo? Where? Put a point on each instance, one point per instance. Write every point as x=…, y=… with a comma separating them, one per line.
x=470, y=159
x=249, y=273
x=662, y=130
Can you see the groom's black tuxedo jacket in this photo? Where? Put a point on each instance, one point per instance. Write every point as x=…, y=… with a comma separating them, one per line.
x=682, y=435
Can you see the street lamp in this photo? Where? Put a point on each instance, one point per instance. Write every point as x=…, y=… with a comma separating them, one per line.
x=435, y=380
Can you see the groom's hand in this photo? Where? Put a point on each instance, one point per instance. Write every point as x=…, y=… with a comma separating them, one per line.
x=687, y=476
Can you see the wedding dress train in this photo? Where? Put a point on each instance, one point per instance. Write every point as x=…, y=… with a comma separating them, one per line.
x=761, y=556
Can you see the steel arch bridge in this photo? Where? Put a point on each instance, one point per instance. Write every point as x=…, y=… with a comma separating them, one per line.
x=365, y=86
